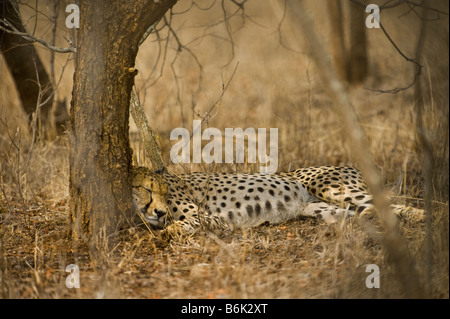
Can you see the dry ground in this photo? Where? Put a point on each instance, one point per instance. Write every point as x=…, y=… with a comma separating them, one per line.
x=304, y=258
x=272, y=87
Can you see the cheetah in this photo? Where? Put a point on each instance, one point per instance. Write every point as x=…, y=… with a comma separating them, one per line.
x=185, y=203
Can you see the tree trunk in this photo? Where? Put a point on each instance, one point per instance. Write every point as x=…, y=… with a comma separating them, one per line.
x=358, y=61
x=100, y=158
x=396, y=246
x=24, y=63
x=337, y=38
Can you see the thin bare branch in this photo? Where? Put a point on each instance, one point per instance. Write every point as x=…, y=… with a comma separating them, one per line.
x=394, y=243
x=150, y=144
x=411, y=5
x=9, y=28
x=147, y=33
x=280, y=12
x=224, y=88
x=417, y=72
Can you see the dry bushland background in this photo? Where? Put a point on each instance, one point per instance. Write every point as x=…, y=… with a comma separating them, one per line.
x=272, y=86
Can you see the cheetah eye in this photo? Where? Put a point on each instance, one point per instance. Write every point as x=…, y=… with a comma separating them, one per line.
x=148, y=190
x=149, y=193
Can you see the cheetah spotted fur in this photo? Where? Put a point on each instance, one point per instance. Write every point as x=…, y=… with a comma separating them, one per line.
x=183, y=204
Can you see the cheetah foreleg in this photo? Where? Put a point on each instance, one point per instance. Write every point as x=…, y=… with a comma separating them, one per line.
x=415, y=215
x=191, y=224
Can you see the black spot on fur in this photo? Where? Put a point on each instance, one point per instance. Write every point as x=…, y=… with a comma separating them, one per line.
x=258, y=209
x=360, y=209
x=249, y=210
x=280, y=206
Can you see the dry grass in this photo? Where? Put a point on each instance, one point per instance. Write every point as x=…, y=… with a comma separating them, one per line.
x=272, y=87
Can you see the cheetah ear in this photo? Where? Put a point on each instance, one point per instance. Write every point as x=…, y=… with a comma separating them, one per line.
x=161, y=171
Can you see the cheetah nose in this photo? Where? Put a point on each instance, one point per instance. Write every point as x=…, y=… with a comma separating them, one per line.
x=159, y=213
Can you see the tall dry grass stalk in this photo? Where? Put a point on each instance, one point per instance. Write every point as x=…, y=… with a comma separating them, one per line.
x=357, y=140
x=275, y=86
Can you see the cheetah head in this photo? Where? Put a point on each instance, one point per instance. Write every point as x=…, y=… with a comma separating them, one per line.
x=149, y=190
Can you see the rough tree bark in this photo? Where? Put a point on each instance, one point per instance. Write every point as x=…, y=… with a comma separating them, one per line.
x=100, y=158
x=337, y=38
x=351, y=61
x=358, y=60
